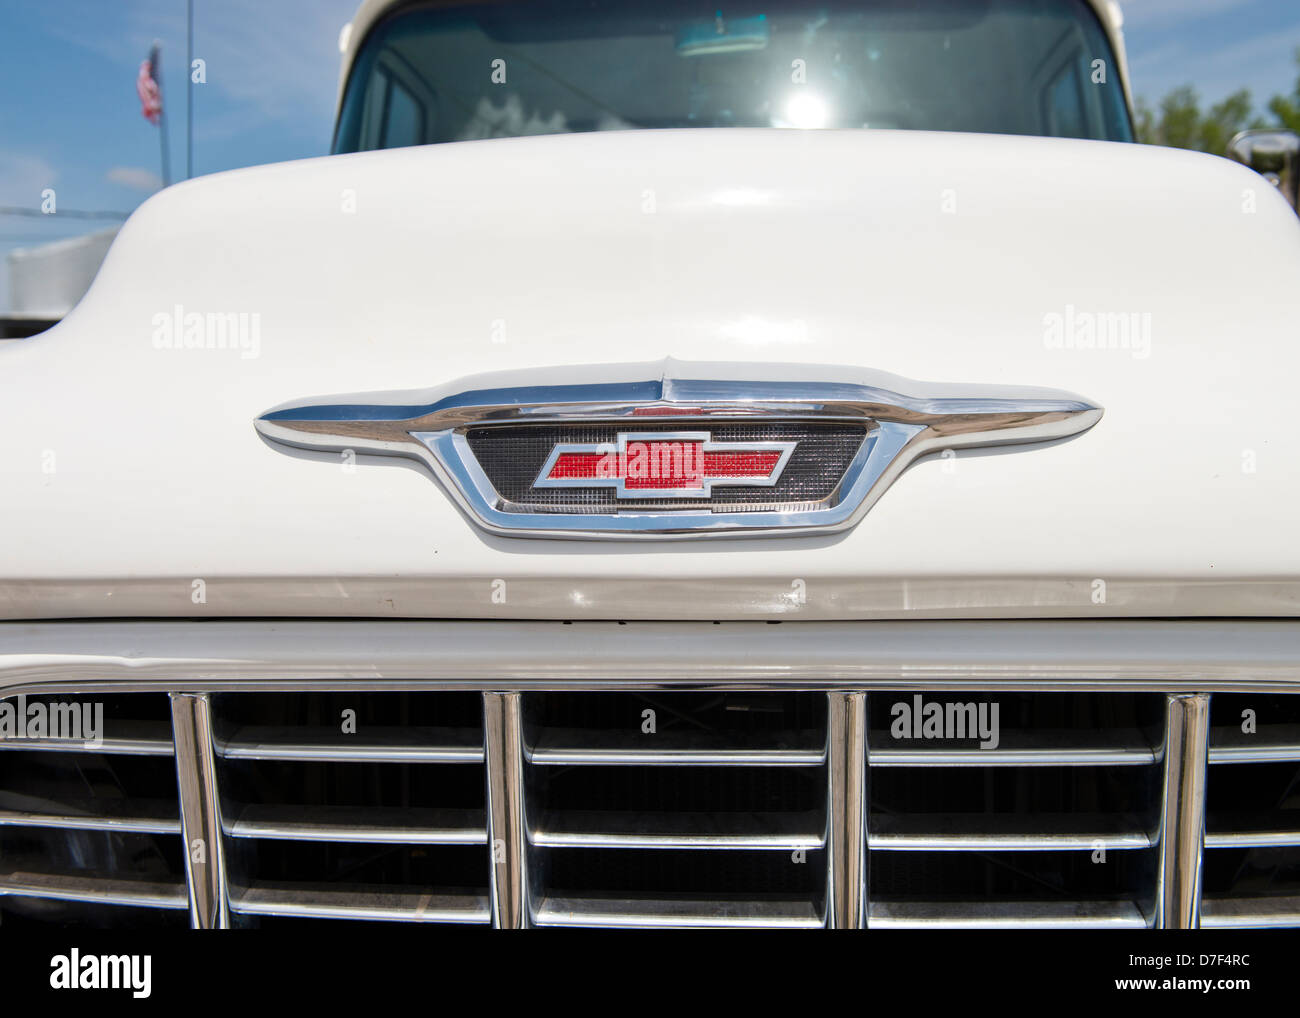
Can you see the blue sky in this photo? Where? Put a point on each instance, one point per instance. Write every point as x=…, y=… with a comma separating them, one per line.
x=69, y=117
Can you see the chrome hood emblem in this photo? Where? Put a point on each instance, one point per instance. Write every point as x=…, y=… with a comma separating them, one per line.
x=675, y=449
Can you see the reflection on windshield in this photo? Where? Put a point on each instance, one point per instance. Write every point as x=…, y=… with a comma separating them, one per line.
x=554, y=67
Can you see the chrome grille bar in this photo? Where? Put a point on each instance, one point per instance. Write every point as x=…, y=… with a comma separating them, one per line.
x=1182, y=816
x=616, y=913
x=375, y=825
x=128, y=740
x=846, y=811
x=1073, y=915
x=1010, y=834
x=94, y=890
x=674, y=750
x=1047, y=749
x=196, y=779
x=360, y=902
x=92, y=815
x=503, y=745
x=721, y=831
x=426, y=745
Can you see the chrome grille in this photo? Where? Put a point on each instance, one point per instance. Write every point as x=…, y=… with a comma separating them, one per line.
x=1252, y=838
x=353, y=806
x=1056, y=825
x=796, y=809
x=677, y=808
x=90, y=835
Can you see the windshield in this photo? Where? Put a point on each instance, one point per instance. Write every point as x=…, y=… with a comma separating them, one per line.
x=458, y=73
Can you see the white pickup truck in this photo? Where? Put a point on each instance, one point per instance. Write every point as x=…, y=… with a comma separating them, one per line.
x=800, y=469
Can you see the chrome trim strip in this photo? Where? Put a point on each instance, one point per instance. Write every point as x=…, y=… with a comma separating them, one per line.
x=613, y=829
x=976, y=833
x=436, y=746
x=378, y=903
x=196, y=779
x=577, y=748
x=94, y=890
x=905, y=420
x=360, y=824
x=1250, y=913
x=1253, y=839
x=587, y=596
x=507, y=825
x=125, y=816
x=117, y=746
x=846, y=810
x=1073, y=656
x=614, y=913
x=1070, y=915
x=1182, y=812
x=1051, y=749
x=1271, y=744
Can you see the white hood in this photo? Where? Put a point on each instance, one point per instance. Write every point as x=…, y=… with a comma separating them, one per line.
x=133, y=472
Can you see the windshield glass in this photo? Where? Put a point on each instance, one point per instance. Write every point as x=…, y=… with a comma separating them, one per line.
x=458, y=73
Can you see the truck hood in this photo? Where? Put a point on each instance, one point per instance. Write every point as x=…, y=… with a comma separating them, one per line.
x=1159, y=284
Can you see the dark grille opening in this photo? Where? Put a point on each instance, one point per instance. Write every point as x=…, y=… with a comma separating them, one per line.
x=716, y=817
x=248, y=783
x=442, y=869
x=91, y=854
x=19, y=913
x=1011, y=876
x=1018, y=791
x=88, y=779
x=646, y=874
x=89, y=835
x=363, y=806
x=512, y=456
x=1050, y=814
x=325, y=711
x=1054, y=720
x=1251, y=872
x=1238, y=797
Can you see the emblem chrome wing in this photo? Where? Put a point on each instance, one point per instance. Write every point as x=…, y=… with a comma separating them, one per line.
x=888, y=422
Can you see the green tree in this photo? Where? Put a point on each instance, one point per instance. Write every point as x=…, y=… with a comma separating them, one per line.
x=1286, y=108
x=1180, y=123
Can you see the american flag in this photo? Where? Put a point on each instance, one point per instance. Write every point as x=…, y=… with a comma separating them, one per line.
x=146, y=86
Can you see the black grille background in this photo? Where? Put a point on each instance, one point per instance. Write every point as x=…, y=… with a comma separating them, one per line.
x=512, y=457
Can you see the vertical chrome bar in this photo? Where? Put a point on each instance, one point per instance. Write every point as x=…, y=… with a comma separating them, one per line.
x=201, y=828
x=507, y=837
x=1182, y=812
x=846, y=810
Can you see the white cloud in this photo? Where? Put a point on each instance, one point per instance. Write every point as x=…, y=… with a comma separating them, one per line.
x=135, y=177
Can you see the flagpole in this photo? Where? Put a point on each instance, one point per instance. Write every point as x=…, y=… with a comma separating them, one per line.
x=189, y=89
x=162, y=118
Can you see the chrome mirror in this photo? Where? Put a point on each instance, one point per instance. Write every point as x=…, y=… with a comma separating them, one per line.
x=1273, y=152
